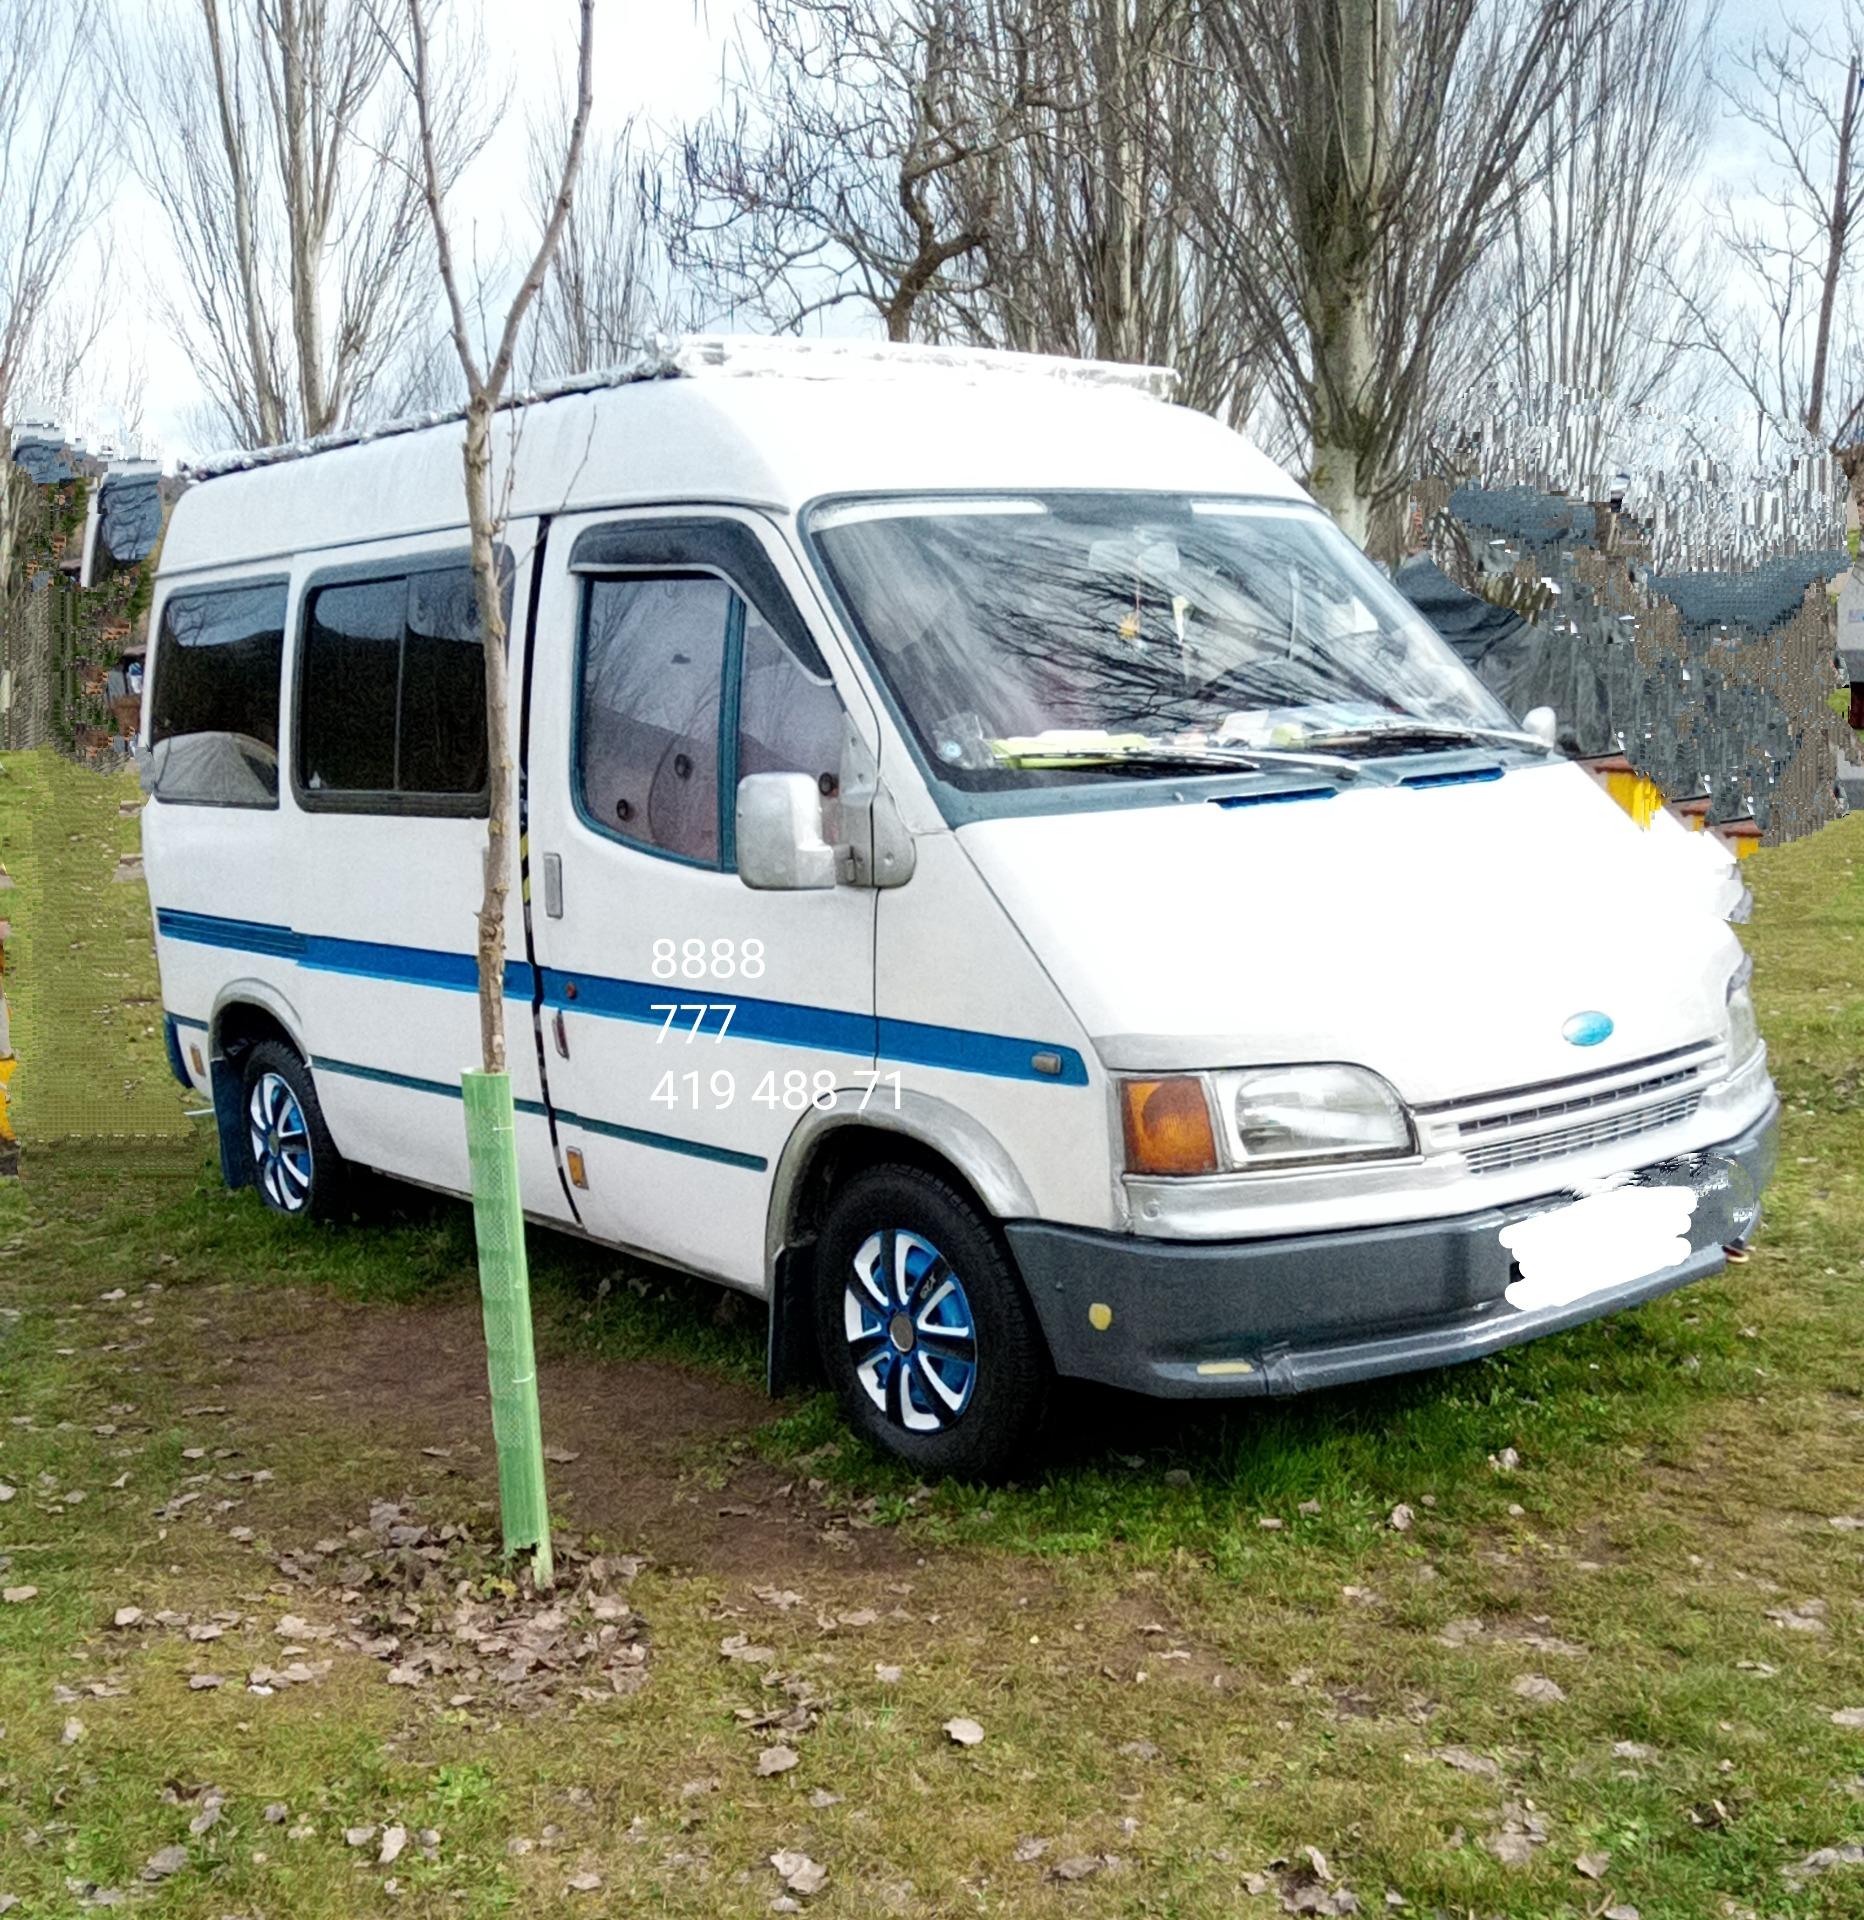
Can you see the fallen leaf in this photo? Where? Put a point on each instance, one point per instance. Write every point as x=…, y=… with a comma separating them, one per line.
x=1848, y=1717
x=965, y=1733
x=126, y=1617
x=822, y=1799
x=1851, y=1854
x=18, y=1596
x=562, y=1456
x=1465, y=1761
x=1506, y=1461
x=167, y=1861
x=1030, y=1849
x=737, y=1646
x=1632, y=1750
x=1076, y=1867
x=1807, y=1617
x=1592, y=1865
x=798, y=1872
x=393, y=1840
x=73, y=1733
x=776, y=1760
x=203, y=1682
x=1309, y=1507
x=1400, y=1518
x=1139, y=1750
x=582, y=1882
x=1624, y=1910
x=358, y=1836
x=888, y=1676
x=1538, y=1688
x=6, y=1493
x=276, y=1814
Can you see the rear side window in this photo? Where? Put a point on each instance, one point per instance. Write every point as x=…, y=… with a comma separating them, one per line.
x=391, y=695
x=213, y=727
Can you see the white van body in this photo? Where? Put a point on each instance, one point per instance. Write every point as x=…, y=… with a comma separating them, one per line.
x=974, y=982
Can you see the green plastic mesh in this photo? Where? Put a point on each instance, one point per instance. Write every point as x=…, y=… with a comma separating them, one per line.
x=505, y=1293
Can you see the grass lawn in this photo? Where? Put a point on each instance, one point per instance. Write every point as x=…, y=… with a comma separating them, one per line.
x=1620, y=1668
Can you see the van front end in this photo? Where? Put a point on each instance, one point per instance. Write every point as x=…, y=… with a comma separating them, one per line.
x=1197, y=1299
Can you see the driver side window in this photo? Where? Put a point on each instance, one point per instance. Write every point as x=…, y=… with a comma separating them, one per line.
x=655, y=765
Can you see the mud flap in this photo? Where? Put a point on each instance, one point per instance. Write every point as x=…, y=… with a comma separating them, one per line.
x=229, y=1123
x=792, y=1361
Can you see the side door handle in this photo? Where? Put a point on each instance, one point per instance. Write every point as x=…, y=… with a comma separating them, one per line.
x=553, y=886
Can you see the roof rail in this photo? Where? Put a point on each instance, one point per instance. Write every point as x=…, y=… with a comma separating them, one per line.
x=712, y=356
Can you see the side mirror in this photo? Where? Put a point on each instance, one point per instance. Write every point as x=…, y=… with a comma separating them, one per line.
x=1543, y=723
x=780, y=844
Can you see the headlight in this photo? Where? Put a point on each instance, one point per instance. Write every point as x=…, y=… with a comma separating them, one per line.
x=1743, y=1028
x=1282, y=1114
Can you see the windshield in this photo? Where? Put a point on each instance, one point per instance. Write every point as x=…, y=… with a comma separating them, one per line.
x=1053, y=638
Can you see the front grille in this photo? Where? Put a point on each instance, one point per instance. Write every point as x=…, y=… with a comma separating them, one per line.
x=1578, y=1103
x=1528, y=1149
x=1552, y=1119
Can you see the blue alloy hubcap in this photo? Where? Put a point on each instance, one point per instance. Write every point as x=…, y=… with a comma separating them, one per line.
x=910, y=1331
x=281, y=1146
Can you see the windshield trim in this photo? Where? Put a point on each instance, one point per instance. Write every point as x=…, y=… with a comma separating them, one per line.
x=961, y=806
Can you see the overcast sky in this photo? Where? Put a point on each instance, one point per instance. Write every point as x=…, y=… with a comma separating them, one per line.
x=658, y=59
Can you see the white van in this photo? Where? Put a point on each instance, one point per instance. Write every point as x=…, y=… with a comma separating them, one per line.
x=1004, y=880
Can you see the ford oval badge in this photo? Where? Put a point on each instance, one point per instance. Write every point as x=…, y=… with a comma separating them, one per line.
x=1587, y=1029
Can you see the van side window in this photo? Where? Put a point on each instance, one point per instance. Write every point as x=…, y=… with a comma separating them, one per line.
x=391, y=695
x=653, y=663
x=789, y=721
x=213, y=729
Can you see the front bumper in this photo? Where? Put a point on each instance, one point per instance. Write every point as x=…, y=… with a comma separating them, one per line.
x=1276, y=1316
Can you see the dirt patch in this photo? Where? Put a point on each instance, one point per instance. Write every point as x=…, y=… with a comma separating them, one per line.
x=648, y=1469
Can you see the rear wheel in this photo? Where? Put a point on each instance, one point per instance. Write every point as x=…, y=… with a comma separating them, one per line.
x=924, y=1327
x=295, y=1164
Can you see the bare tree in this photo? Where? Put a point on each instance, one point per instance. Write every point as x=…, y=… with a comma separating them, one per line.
x=1381, y=146
x=438, y=102
x=850, y=162
x=1786, y=326
x=53, y=176
x=602, y=293
x=265, y=133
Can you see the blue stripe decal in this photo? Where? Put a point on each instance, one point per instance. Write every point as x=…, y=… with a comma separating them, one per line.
x=247, y=936
x=184, y=1020
x=962, y=1052
x=783, y=1023
x=640, y=1137
x=777, y=1022
x=412, y=1082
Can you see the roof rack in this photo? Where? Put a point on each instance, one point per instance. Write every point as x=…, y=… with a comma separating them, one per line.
x=711, y=356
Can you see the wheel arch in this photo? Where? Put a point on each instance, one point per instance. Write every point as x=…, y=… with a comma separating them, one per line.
x=244, y=1013
x=825, y=1150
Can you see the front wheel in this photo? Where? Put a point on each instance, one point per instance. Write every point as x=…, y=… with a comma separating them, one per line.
x=295, y=1164
x=924, y=1327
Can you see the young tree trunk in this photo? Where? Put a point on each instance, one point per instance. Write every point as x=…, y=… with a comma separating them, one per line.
x=1838, y=234
x=491, y=603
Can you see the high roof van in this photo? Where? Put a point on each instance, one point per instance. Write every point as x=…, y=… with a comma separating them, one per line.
x=1003, y=879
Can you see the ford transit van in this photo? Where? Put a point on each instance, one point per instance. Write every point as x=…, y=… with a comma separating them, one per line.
x=1003, y=879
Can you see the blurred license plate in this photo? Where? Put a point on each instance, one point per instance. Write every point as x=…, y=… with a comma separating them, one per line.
x=1603, y=1241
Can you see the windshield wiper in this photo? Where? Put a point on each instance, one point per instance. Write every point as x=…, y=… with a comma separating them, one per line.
x=1207, y=759
x=1430, y=733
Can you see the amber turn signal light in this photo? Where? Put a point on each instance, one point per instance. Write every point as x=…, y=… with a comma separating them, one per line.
x=1167, y=1125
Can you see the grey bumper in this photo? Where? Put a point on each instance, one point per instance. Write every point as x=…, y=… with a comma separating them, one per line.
x=1245, y=1317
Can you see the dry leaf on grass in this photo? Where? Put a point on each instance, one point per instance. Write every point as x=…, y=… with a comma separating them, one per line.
x=1538, y=1688
x=169, y=1860
x=1400, y=1518
x=1464, y=1761
x=393, y=1840
x=776, y=1760
x=964, y=1733
x=1592, y=1865
x=798, y=1872
x=582, y=1883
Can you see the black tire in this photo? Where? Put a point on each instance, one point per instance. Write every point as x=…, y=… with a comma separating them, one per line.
x=296, y=1169
x=909, y=1390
